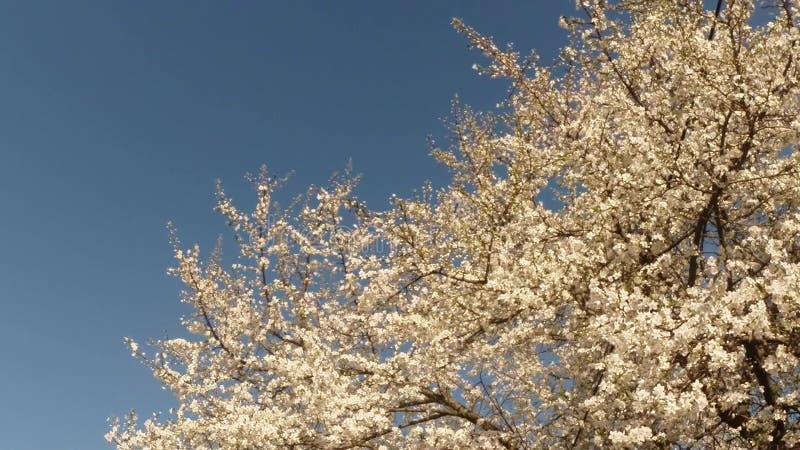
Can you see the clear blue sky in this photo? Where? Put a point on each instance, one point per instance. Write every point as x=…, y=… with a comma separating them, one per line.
x=118, y=116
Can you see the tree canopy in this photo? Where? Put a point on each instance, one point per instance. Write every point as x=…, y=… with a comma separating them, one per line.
x=657, y=306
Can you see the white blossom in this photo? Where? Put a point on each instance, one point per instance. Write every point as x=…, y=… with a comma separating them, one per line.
x=657, y=306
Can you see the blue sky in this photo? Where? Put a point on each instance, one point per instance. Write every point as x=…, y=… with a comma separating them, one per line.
x=118, y=116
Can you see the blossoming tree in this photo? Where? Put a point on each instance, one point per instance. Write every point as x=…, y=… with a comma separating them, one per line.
x=657, y=306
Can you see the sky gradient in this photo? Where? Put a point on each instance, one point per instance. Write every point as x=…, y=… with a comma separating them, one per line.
x=118, y=116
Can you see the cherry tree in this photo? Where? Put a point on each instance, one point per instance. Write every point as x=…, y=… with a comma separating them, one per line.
x=657, y=305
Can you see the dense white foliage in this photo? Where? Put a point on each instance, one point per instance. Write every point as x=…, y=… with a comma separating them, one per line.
x=658, y=307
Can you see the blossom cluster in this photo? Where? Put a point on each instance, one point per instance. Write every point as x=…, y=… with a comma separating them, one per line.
x=657, y=306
